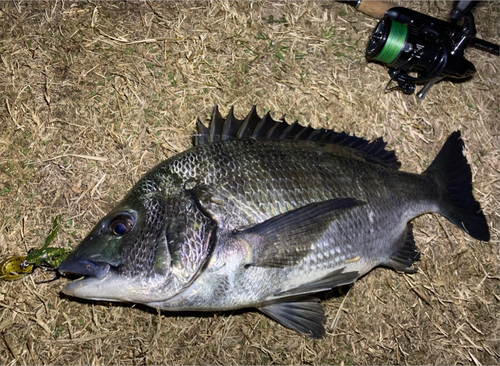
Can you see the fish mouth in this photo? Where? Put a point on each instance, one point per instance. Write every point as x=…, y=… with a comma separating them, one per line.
x=100, y=281
x=84, y=268
x=92, y=280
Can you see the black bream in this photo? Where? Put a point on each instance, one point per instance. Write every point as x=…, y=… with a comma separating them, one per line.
x=264, y=214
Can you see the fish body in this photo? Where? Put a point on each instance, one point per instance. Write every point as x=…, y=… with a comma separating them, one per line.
x=264, y=214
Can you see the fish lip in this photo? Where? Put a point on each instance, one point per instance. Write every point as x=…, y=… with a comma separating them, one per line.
x=85, y=268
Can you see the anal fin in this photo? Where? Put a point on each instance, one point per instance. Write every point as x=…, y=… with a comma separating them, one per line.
x=306, y=316
x=404, y=258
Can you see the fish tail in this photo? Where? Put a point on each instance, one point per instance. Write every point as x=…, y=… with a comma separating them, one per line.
x=454, y=177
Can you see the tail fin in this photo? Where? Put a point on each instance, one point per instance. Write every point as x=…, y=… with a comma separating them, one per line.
x=451, y=170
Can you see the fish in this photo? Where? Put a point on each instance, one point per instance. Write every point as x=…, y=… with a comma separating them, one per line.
x=268, y=215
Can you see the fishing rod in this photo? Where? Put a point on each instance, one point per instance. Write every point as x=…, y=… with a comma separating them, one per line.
x=420, y=49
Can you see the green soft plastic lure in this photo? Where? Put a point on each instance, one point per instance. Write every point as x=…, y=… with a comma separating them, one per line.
x=46, y=256
x=17, y=267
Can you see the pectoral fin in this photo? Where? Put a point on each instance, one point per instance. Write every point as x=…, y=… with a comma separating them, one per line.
x=331, y=280
x=286, y=239
x=306, y=316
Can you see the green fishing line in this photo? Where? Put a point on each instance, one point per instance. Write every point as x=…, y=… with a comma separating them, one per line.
x=394, y=43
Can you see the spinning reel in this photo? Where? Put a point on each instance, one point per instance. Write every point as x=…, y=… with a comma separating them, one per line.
x=420, y=49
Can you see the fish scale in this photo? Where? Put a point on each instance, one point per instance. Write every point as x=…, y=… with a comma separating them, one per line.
x=263, y=214
x=299, y=184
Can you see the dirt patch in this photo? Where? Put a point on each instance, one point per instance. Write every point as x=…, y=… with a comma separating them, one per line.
x=95, y=94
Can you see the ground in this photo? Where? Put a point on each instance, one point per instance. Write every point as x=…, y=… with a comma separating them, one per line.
x=93, y=94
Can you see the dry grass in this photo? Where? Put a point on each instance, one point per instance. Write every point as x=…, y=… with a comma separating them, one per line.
x=95, y=94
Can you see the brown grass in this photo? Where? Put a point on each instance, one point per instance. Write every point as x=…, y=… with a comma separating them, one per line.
x=95, y=94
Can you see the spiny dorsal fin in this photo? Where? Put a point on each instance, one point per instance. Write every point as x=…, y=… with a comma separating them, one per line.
x=266, y=127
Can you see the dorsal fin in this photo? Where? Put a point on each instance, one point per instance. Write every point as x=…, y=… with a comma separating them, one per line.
x=254, y=126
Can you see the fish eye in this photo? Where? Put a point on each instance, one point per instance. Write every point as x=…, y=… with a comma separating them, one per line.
x=121, y=224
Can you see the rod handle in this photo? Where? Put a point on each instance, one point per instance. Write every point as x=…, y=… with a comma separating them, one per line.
x=376, y=9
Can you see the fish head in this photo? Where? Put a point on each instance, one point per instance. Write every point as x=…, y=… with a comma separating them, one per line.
x=146, y=249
